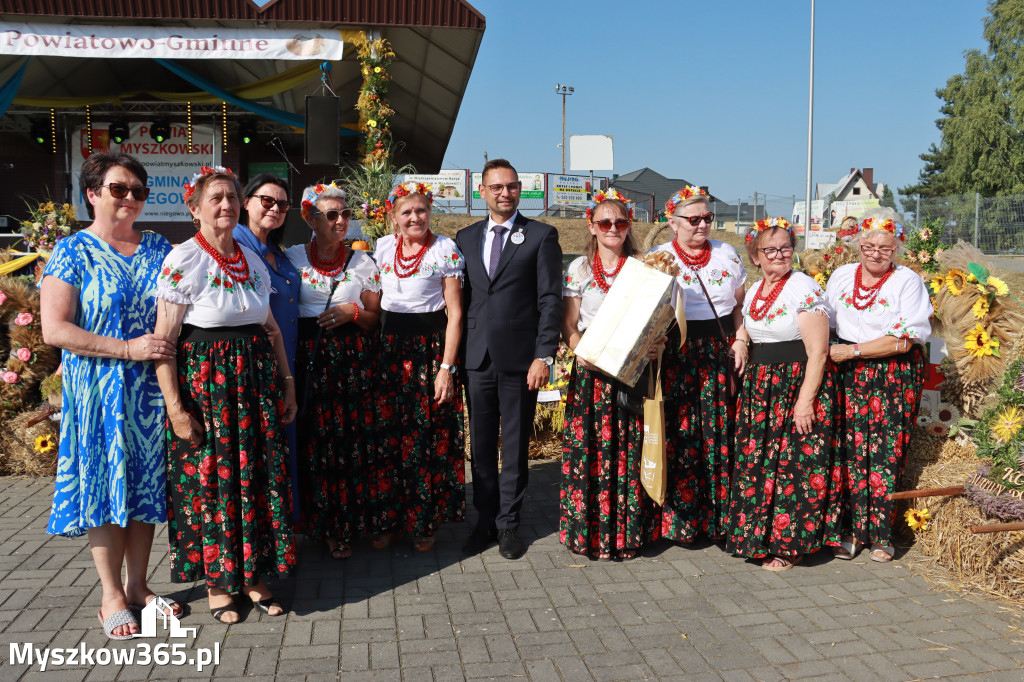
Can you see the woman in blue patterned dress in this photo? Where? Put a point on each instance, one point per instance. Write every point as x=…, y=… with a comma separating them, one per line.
x=98, y=306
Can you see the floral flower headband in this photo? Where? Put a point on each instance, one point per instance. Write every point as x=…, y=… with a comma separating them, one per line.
x=310, y=195
x=767, y=224
x=602, y=195
x=404, y=190
x=681, y=196
x=190, y=187
x=889, y=225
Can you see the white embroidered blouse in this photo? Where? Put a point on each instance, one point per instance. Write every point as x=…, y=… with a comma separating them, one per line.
x=800, y=294
x=901, y=309
x=359, y=275
x=423, y=291
x=723, y=276
x=578, y=284
x=190, y=276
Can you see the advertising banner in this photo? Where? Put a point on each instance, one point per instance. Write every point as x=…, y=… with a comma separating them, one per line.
x=169, y=42
x=800, y=215
x=568, y=190
x=448, y=186
x=170, y=164
x=857, y=208
x=533, y=185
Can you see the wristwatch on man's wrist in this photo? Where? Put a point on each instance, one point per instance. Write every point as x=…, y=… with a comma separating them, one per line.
x=451, y=369
x=549, y=361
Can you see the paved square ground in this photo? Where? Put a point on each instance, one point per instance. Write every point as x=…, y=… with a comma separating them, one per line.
x=674, y=613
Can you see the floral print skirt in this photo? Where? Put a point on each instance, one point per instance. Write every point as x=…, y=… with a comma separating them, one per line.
x=418, y=473
x=604, y=507
x=785, y=497
x=336, y=430
x=229, y=511
x=698, y=437
x=878, y=407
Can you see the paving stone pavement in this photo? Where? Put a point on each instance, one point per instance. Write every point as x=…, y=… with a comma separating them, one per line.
x=675, y=613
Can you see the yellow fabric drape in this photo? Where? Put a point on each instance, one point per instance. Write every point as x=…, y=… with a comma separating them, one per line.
x=265, y=87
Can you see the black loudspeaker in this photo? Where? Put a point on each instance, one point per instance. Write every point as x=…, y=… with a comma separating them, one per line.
x=322, y=140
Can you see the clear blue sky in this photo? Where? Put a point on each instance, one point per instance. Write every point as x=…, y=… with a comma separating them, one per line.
x=716, y=92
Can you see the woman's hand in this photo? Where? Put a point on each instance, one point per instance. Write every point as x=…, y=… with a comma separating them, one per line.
x=586, y=365
x=840, y=352
x=803, y=417
x=336, y=316
x=657, y=348
x=291, y=408
x=186, y=427
x=151, y=347
x=444, y=387
x=739, y=349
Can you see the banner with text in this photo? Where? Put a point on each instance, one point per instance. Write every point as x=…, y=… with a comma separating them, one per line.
x=169, y=42
x=170, y=164
x=568, y=190
x=448, y=186
x=533, y=185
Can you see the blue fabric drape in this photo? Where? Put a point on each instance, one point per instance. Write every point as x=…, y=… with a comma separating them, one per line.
x=10, y=88
x=260, y=109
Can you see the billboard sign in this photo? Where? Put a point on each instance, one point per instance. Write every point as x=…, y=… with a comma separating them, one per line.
x=533, y=185
x=568, y=190
x=448, y=186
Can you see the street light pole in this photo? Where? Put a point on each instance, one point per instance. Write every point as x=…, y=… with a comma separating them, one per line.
x=564, y=91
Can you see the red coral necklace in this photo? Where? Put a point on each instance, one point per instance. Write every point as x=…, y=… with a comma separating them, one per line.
x=327, y=268
x=758, y=312
x=694, y=262
x=237, y=268
x=407, y=266
x=864, y=297
x=600, y=273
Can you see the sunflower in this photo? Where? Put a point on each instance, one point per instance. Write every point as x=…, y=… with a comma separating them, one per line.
x=820, y=279
x=45, y=444
x=956, y=280
x=936, y=283
x=1007, y=424
x=947, y=413
x=918, y=519
x=996, y=286
x=981, y=307
x=979, y=343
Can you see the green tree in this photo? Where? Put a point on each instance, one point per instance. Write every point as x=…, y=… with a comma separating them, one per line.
x=887, y=198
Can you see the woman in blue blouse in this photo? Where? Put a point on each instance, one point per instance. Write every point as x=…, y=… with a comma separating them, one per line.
x=98, y=306
x=263, y=212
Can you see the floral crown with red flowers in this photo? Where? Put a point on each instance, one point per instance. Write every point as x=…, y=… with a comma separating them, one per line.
x=404, y=190
x=311, y=194
x=190, y=187
x=889, y=225
x=766, y=224
x=605, y=195
x=682, y=195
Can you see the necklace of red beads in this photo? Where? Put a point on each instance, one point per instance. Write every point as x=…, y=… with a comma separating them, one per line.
x=694, y=262
x=236, y=268
x=327, y=268
x=407, y=266
x=600, y=273
x=757, y=311
x=864, y=297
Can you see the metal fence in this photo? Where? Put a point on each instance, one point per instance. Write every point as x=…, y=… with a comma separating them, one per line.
x=993, y=224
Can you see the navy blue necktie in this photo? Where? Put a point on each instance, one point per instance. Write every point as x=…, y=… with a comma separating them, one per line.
x=496, y=240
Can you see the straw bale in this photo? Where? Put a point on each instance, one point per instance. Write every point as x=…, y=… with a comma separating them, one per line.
x=18, y=456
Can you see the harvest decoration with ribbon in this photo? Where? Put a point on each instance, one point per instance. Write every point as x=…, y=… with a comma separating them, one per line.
x=373, y=106
x=766, y=224
x=404, y=190
x=889, y=225
x=190, y=187
x=311, y=194
x=605, y=195
x=682, y=195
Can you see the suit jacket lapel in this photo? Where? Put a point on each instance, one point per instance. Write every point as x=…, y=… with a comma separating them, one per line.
x=510, y=248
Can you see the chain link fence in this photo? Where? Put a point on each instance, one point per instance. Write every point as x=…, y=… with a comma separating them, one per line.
x=993, y=224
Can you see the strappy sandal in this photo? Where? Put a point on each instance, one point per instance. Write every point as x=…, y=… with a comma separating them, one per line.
x=116, y=620
x=423, y=544
x=787, y=563
x=882, y=554
x=340, y=550
x=218, y=611
x=264, y=606
x=848, y=549
x=165, y=604
x=627, y=554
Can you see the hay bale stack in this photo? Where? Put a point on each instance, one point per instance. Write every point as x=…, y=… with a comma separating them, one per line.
x=18, y=453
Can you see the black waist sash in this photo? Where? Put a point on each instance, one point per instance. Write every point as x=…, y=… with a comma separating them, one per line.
x=780, y=351
x=308, y=328
x=192, y=333
x=704, y=329
x=414, y=324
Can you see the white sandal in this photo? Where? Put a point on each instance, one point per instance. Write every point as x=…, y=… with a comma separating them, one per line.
x=850, y=546
x=885, y=553
x=122, y=617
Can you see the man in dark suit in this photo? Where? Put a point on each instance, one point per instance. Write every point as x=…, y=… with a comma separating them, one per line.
x=513, y=304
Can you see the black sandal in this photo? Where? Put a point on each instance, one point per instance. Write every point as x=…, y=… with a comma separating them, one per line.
x=220, y=611
x=264, y=606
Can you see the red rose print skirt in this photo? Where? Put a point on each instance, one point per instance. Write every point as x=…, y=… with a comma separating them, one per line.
x=879, y=399
x=229, y=515
x=604, y=507
x=785, y=490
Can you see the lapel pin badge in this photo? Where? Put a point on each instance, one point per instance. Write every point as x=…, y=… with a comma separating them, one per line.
x=517, y=237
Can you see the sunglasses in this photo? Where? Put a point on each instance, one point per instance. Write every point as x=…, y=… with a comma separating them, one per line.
x=332, y=215
x=621, y=224
x=513, y=187
x=119, y=191
x=695, y=220
x=268, y=202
